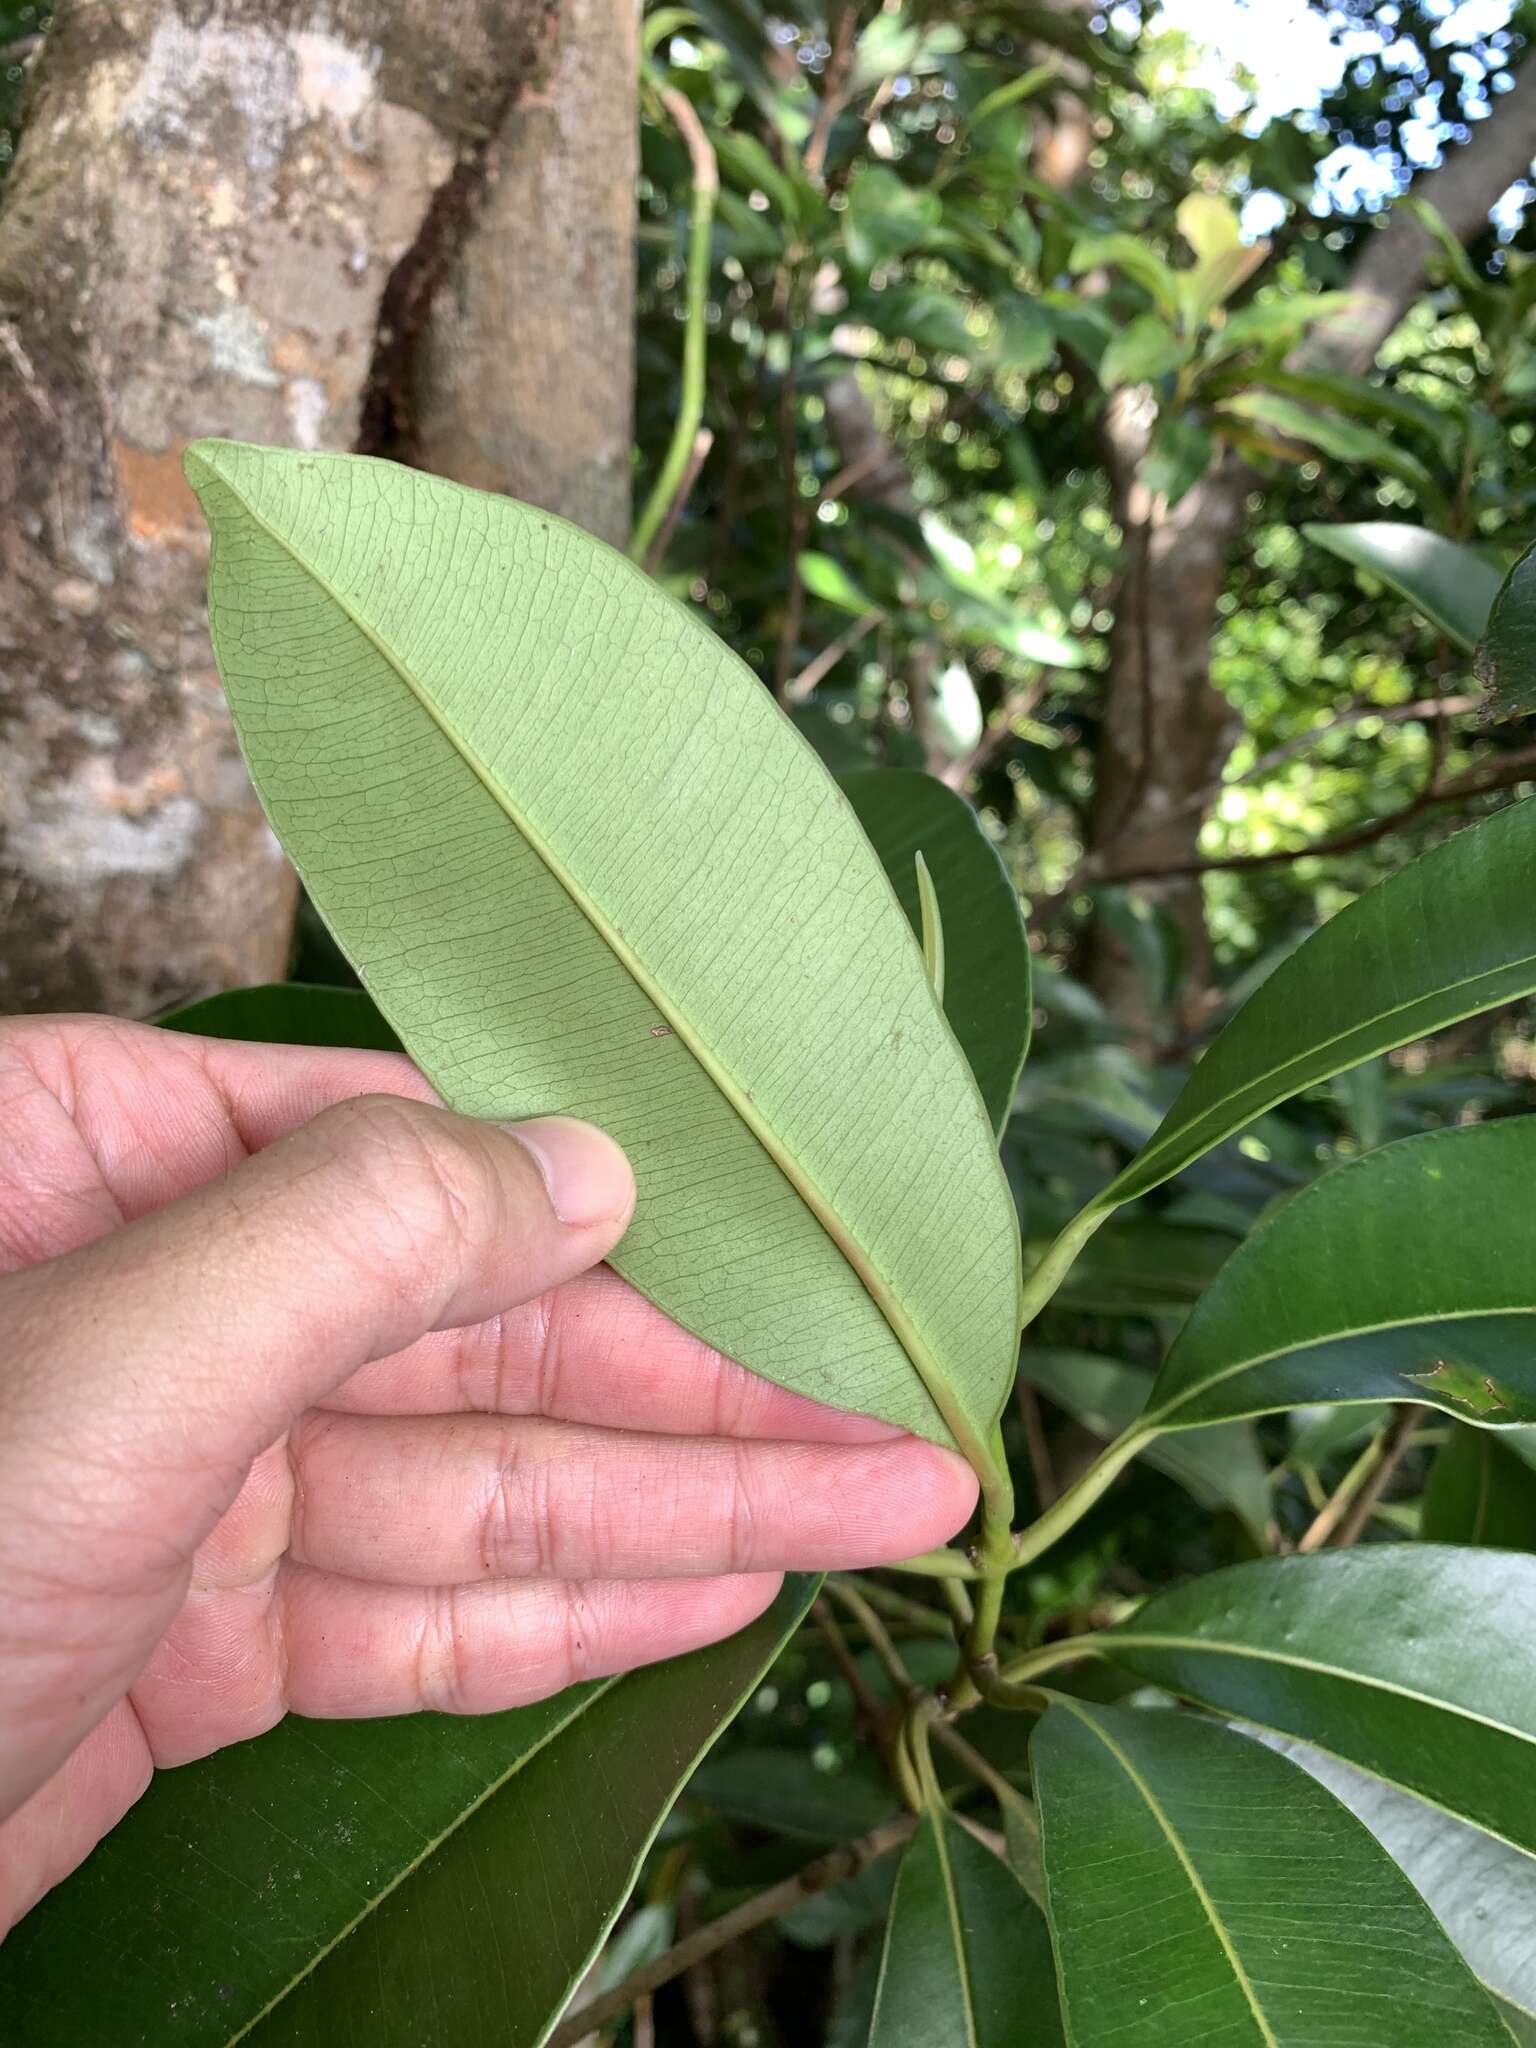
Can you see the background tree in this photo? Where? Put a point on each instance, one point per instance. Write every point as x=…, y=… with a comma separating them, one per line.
x=236, y=220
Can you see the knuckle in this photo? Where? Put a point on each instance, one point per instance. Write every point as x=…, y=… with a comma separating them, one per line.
x=513, y=1531
x=428, y=1188
x=443, y=1676
x=742, y=1518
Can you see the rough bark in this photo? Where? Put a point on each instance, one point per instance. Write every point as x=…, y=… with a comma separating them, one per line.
x=522, y=378
x=208, y=200
x=1166, y=730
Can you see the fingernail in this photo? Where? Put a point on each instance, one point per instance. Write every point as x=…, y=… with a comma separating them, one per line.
x=587, y=1176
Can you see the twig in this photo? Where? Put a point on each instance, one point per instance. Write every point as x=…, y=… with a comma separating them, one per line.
x=867, y=1708
x=690, y=408
x=1040, y=1467
x=836, y=1867
x=1336, y=1506
x=1394, y=1448
x=703, y=441
x=1344, y=1514
x=833, y=90
x=799, y=687
x=1016, y=705
x=1515, y=767
x=925, y=1621
x=875, y=1629
x=1426, y=708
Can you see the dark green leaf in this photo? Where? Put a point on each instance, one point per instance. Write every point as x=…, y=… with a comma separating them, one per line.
x=1202, y=1889
x=1451, y=934
x=1506, y=661
x=426, y=1879
x=288, y=1013
x=1479, y=1491
x=967, y=1959
x=1408, y=1274
x=1450, y=584
x=1415, y=1661
x=987, y=994
x=782, y=1791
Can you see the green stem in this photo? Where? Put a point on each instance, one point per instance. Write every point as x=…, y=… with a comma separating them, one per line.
x=1065, y=1513
x=1015, y=1687
x=1060, y=1259
x=690, y=410
x=937, y=1564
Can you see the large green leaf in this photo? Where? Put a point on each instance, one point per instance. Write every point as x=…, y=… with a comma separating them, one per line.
x=1481, y=1891
x=425, y=1879
x=1451, y=584
x=967, y=1960
x=988, y=997
x=1416, y=1661
x=1220, y=1466
x=1408, y=1274
x=288, y=1013
x=1201, y=1889
x=1506, y=661
x=1452, y=933
x=583, y=863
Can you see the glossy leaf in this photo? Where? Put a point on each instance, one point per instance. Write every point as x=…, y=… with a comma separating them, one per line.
x=288, y=1013
x=584, y=864
x=1451, y=584
x=1479, y=1491
x=1201, y=1888
x=1408, y=1274
x=1415, y=1661
x=1449, y=935
x=1506, y=661
x=987, y=993
x=423, y=1879
x=967, y=1960
x=1219, y=1467
x=1481, y=1891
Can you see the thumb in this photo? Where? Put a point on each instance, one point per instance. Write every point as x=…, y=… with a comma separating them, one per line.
x=185, y=1343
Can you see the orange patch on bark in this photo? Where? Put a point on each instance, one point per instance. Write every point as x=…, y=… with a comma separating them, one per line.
x=160, y=501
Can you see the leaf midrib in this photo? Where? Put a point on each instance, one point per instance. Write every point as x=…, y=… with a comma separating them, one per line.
x=937, y=1820
x=904, y=1331
x=1152, y=1154
x=1369, y=1681
x=1196, y=1882
x=427, y=1850
x=1155, y=1419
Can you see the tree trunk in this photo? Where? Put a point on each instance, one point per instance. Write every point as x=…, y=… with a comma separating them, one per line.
x=1166, y=731
x=522, y=377
x=208, y=200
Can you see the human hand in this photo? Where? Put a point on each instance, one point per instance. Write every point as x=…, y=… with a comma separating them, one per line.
x=315, y=1397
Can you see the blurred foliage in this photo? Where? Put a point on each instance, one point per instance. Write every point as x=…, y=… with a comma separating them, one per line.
x=915, y=324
